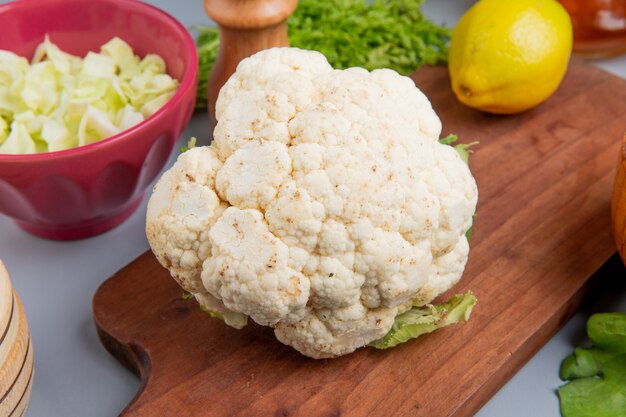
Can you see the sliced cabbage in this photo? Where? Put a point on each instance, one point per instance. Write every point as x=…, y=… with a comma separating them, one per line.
x=4, y=130
x=63, y=62
x=13, y=68
x=122, y=54
x=98, y=66
x=41, y=88
x=61, y=101
x=128, y=117
x=19, y=141
x=57, y=136
x=94, y=126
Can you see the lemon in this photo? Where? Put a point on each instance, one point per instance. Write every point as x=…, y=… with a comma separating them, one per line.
x=509, y=56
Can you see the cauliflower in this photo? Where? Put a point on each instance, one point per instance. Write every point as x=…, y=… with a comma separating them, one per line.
x=325, y=208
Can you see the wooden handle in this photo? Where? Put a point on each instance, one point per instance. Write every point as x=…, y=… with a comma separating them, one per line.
x=246, y=27
x=619, y=204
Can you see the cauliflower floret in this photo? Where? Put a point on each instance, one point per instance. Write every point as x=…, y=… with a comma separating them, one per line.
x=250, y=178
x=330, y=333
x=343, y=208
x=445, y=271
x=249, y=270
x=183, y=208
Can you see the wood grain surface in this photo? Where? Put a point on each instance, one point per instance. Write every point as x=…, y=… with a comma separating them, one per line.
x=619, y=203
x=16, y=352
x=543, y=228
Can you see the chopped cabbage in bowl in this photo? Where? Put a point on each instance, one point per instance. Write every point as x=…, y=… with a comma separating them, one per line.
x=60, y=101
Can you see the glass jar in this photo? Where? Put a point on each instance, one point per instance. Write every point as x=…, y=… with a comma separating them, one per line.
x=599, y=26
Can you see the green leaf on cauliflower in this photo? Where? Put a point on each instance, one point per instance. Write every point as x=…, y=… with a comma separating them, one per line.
x=449, y=140
x=233, y=319
x=470, y=231
x=426, y=319
x=462, y=148
x=597, y=375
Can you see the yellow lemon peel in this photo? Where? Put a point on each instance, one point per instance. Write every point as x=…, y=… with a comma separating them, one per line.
x=508, y=57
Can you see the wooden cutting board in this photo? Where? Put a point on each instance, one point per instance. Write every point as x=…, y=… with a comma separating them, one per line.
x=543, y=228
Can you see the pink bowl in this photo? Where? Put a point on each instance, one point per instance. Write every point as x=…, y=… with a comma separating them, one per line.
x=88, y=190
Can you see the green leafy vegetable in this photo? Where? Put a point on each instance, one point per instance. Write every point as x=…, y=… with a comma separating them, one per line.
x=426, y=319
x=597, y=375
x=207, y=42
x=371, y=34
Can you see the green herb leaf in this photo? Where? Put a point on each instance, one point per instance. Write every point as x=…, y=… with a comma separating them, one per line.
x=597, y=375
x=370, y=34
x=426, y=319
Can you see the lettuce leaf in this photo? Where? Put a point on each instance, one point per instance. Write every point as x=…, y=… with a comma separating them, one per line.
x=426, y=319
x=597, y=375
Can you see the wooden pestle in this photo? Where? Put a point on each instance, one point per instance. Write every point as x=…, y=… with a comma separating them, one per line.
x=246, y=27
